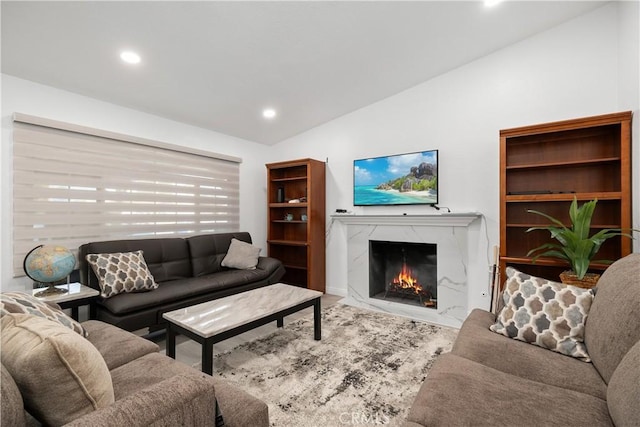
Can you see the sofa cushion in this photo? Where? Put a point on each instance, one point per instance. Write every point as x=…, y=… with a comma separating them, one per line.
x=181, y=400
x=121, y=272
x=19, y=302
x=460, y=392
x=476, y=342
x=612, y=328
x=117, y=346
x=208, y=251
x=167, y=259
x=60, y=374
x=144, y=372
x=11, y=403
x=623, y=394
x=237, y=406
x=273, y=267
x=176, y=290
x=241, y=255
x=544, y=313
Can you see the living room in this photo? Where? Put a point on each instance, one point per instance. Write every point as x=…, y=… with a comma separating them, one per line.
x=581, y=68
x=584, y=66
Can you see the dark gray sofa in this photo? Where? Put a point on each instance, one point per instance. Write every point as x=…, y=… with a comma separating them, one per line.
x=489, y=379
x=187, y=270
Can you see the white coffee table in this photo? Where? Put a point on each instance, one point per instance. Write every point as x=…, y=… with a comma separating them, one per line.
x=214, y=321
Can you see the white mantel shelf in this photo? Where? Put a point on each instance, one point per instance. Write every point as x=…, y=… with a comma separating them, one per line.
x=448, y=219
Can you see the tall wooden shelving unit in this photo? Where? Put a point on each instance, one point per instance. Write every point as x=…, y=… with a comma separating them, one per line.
x=298, y=243
x=542, y=167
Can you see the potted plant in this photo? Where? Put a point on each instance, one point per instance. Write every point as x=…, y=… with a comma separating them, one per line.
x=574, y=243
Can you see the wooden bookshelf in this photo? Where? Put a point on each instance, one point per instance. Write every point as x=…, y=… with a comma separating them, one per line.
x=299, y=243
x=543, y=167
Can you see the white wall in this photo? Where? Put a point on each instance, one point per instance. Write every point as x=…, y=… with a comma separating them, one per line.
x=31, y=98
x=629, y=77
x=567, y=72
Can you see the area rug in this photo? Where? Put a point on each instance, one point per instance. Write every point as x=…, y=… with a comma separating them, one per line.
x=366, y=370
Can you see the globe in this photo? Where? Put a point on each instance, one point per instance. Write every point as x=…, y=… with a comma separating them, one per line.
x=49, y=264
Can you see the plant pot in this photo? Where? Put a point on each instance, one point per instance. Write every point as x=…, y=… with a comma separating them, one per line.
x=587, y=282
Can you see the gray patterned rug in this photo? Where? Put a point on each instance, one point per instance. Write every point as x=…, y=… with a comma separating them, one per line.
x=366, y=370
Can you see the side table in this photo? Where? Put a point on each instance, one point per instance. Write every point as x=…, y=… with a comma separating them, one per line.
x=78, y=295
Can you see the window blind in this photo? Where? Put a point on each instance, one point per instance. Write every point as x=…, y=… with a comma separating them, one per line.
x=71, y=188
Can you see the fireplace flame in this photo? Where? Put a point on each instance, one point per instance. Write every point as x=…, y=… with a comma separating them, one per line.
x=405, y=280
x=405, y=283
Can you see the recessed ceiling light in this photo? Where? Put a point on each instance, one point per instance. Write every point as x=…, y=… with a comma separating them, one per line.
x=269, y=113
x=490, y=3
x=130, y=57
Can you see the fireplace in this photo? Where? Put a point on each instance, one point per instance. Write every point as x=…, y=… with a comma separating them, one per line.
x=403, y=272
x=448, y=232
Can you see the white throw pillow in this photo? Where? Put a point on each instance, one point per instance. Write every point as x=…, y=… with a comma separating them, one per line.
x=241, y=255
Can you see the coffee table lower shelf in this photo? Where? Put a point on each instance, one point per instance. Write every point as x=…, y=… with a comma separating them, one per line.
x=207, y=343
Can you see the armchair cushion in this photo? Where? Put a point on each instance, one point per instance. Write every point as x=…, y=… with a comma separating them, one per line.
x=60, y=374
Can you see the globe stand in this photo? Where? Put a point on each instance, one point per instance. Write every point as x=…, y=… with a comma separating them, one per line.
x=47, y=265
x=49, y=291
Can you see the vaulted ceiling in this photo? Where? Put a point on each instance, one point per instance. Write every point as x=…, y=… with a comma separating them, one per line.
x=217, y=65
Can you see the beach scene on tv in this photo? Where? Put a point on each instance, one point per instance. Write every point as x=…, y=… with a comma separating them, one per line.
x=403, y=179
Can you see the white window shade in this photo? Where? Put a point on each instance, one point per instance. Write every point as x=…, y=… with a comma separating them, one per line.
x=72, y=187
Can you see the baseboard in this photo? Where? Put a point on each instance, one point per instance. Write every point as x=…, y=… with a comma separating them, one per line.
x=336, y=290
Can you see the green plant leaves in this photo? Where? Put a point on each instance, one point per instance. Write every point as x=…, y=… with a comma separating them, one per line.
x=581, y=217
x=574, y=244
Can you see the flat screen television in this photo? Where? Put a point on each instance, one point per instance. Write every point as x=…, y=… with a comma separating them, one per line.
x=400, y=179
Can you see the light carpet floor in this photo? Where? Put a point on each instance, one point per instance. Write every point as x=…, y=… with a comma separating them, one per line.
x=366, y=370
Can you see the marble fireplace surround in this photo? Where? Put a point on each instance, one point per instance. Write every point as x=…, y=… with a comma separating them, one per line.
x=447, y=230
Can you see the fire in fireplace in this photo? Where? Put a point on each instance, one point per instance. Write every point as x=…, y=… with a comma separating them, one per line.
x=406, y=285
x=403, y=272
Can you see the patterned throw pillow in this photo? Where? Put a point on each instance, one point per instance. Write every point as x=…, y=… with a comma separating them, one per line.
x=121, y=272
x=545, y=313
x=21, y=303
x=241, y=255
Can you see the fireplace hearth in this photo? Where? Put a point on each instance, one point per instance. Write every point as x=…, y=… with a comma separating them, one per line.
x=403, y=272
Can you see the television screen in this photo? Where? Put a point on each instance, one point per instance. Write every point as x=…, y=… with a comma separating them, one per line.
x=401, y=179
